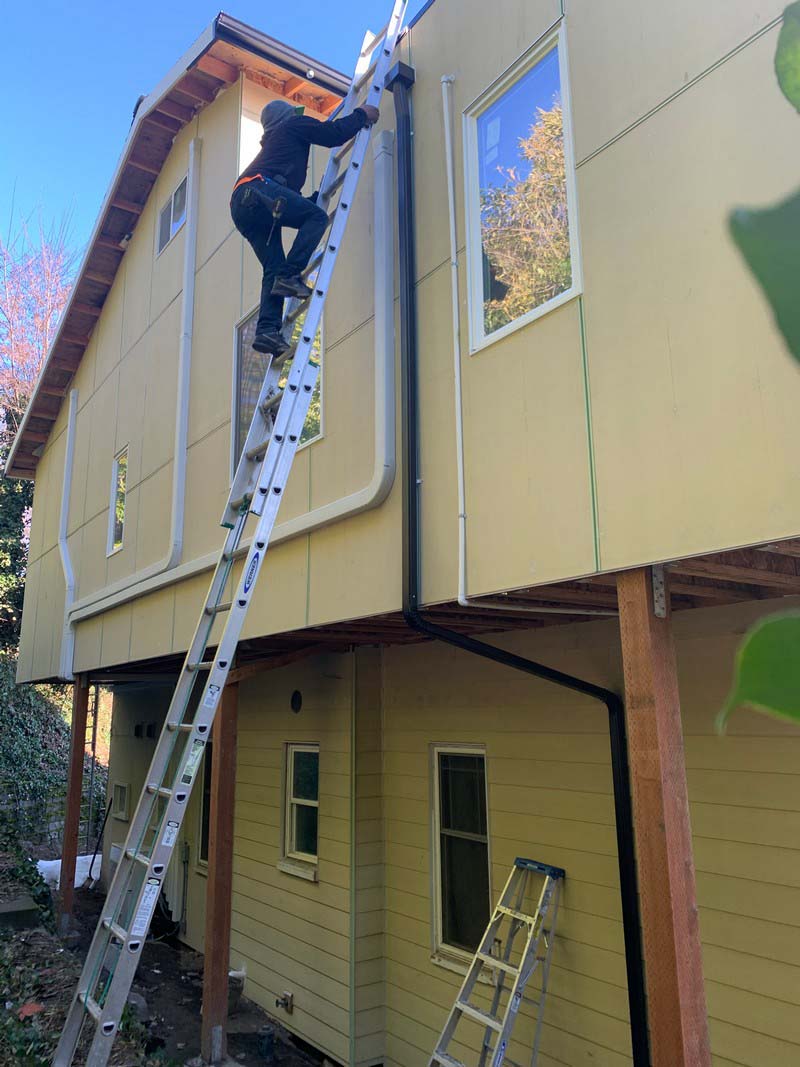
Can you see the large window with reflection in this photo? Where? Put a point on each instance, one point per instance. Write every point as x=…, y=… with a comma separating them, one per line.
x=521, y=212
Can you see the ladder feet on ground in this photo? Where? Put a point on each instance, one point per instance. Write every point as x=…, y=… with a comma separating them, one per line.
x=256, y=488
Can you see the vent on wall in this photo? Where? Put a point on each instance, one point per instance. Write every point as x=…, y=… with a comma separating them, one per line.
x=120, y=792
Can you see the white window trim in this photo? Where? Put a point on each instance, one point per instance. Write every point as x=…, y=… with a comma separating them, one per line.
x=300, y=863
x=170, y=202
x=451, y=956
x=478, y=340
x=235, y=394
x=111, y=548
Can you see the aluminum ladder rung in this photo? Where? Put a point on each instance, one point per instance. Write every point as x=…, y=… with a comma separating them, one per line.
x=448, y=1060
x=91, y=1006
x=313, y=263
x=257, y=487
x=216, y=609
x=376, y=40
x=479, y=1015
x=137, y=857
x=158, y=790
x=520, y=916
x=500, y=965
x=116, y=930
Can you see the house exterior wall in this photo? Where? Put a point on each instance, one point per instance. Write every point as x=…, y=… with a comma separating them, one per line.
x=669, y=341
x=550, y=798
x=360, y=952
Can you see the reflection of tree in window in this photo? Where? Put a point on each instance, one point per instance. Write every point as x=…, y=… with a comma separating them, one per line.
x=523, y=198
x=121, y=475
x=249, y=378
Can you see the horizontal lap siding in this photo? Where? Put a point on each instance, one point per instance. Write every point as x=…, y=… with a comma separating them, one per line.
x=288, y=933
x=550, y=798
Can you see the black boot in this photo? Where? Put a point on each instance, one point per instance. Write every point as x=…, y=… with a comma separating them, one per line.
x=295, y=287
x=271, y=342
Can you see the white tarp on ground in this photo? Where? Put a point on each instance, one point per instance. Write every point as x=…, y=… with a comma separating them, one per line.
x=50, y=870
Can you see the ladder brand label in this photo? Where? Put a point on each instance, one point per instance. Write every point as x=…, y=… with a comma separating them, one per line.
x=251, y=572
x=193, y=762
x=170, y=834
x=145, y=909
x=211, y=697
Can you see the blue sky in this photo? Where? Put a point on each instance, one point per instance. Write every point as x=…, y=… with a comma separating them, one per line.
x=72, y=73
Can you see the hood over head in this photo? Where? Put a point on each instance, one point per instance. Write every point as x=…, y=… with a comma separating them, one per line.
x=275, y=113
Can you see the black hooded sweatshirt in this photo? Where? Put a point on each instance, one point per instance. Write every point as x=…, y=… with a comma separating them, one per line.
x=285, y=145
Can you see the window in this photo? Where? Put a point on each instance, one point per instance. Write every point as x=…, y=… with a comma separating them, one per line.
x=116, y=516
x=521, y=213
x=249, y=367
x=302, y=802
x=173, y=216
x=463, y=845
x=205, y=803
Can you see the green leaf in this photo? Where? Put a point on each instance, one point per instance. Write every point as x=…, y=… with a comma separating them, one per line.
x=769, y=240
x=767, y=674
x=787, y=55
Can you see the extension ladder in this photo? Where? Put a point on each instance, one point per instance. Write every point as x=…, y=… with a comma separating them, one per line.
x=257, y=488
x=499, y=1020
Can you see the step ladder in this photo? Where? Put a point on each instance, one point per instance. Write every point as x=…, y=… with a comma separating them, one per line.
x=257, y=488
x=511, y=970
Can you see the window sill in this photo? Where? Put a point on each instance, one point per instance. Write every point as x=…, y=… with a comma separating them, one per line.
x=114, y=551
x=201, y=869
x=487, y=340
x=298, y=869
x=458, y=963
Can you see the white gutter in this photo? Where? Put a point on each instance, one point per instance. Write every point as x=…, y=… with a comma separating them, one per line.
x=464, y=600
x=68, y=635
x=385, y=461
x=127, y=588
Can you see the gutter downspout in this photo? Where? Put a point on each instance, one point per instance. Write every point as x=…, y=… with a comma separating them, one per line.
x=400, y=80
x=173, y=555
x=68, y=635
x=463, y=599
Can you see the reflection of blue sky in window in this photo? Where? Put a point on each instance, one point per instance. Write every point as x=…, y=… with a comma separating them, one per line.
x=509, y=119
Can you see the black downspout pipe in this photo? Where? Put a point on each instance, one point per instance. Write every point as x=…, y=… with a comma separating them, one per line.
x=399, y=81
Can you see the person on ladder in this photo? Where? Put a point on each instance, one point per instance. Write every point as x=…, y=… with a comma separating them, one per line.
x=267, y=197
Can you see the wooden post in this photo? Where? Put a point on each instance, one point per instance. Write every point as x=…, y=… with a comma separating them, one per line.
x=220, y=877
x=673, y=963
x=72, y=812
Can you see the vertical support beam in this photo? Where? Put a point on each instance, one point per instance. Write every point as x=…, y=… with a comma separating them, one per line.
x=72, y=812
x=220, y=878
x=673, y=962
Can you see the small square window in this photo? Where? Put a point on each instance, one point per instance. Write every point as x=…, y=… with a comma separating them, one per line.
x=172, y=215
x=462, y=883
x=521, y=210
x=119, y=489
x=301, y=834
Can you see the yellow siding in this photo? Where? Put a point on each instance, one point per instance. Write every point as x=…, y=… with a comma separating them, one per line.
x=550, y=797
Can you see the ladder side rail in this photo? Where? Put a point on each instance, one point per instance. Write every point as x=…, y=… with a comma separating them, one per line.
x=546, y=974
x=514, y=1001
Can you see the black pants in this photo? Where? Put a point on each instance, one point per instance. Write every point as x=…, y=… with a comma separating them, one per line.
x=251, y=210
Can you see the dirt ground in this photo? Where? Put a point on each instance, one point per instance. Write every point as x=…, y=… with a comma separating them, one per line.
x=170, y=978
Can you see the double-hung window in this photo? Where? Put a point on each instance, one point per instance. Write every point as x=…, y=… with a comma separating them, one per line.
x=521, y=205
x=172, y=216
x=119, y=489
x=301, y=832
x=249, y=367
x=462, y=845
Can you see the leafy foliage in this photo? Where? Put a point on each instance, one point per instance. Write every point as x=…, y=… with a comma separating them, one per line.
x=34, y=752
x=787, y=55
x=524, y=225
x=767, y=674
x=16, y=498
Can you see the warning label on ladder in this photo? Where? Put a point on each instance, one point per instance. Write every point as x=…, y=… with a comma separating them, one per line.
x=141, y=920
